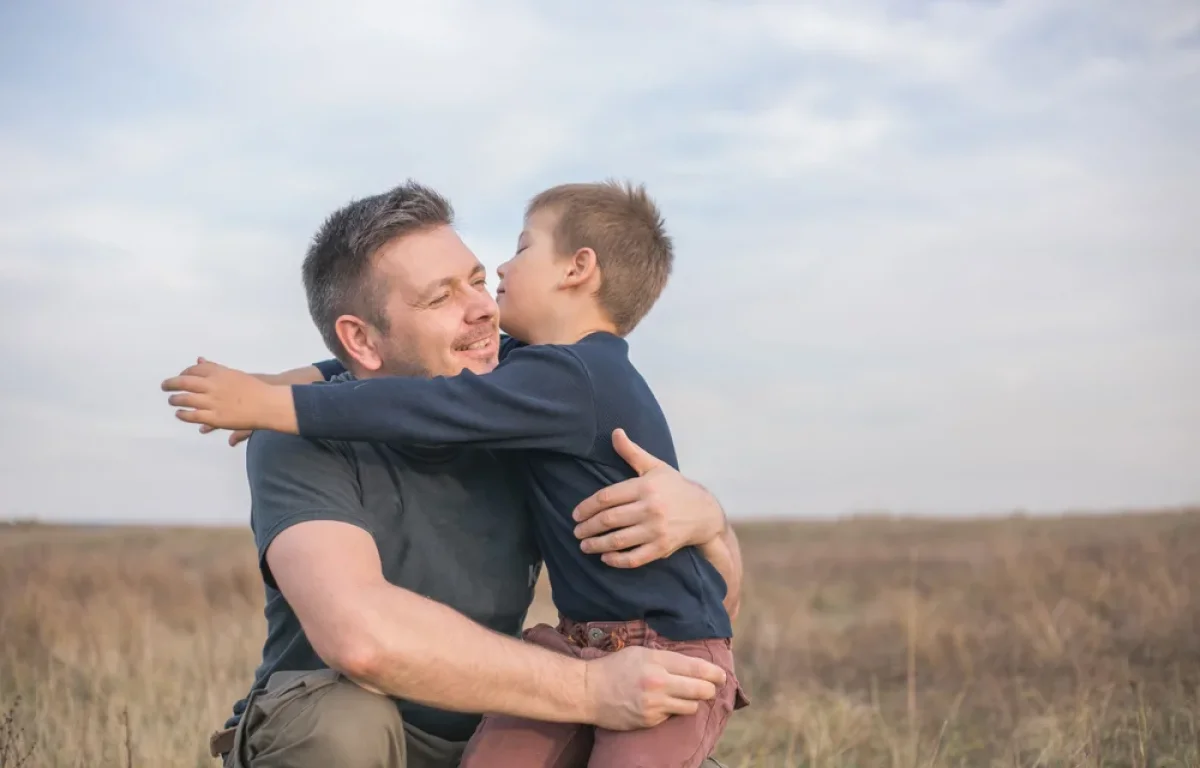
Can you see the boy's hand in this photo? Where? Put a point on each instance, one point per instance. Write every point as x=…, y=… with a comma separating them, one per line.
x=224, y=398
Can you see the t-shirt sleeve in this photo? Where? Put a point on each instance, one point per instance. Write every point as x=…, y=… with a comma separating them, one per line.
x=539, y=398
x=295, y=480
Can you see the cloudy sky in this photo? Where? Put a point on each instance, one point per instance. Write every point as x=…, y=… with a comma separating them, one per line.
x=932, y=256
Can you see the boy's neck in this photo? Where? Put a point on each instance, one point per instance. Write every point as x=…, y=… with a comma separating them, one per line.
x=569, y=331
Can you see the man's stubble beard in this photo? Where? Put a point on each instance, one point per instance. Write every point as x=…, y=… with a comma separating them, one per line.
x=400, y=362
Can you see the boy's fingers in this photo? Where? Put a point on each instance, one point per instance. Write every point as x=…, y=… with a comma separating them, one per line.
x=185, y=384
x=205, y=369
x=188, y=400
x=194, y=417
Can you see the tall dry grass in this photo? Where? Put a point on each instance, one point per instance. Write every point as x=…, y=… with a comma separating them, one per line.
x=1072, y=642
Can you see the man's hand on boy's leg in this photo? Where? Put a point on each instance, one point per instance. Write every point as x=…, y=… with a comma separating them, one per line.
x=638, y=687
x=653, y=515
x=225, y=398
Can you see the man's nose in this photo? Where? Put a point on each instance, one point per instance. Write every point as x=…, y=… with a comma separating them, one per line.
x=481, y=306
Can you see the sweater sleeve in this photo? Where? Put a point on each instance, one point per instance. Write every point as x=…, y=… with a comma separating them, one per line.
x=330, y=368
x=538, y=398
x=333, y=367
x=508, y=344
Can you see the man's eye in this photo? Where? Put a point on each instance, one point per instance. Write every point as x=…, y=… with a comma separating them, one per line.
x=481, y=282
x=439, y=299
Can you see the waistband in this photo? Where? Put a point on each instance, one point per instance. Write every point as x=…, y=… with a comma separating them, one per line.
x=606, y=635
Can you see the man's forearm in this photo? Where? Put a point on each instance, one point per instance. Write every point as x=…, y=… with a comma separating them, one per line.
x=309, y=374
x=726, y=556
x=417, y=649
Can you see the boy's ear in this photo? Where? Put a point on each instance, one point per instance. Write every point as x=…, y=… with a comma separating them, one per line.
x=582, y=268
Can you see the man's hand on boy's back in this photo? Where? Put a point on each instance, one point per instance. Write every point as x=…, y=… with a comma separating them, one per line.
x=647, y=517
x=224, y=398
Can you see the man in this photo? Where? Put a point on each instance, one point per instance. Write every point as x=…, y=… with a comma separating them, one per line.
x=398, y=580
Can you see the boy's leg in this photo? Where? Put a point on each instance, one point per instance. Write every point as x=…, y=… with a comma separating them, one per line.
x=682, y=741
x=502, y=740
x=513, y=742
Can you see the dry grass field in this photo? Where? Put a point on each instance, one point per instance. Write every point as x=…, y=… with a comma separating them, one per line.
x=1011, y=642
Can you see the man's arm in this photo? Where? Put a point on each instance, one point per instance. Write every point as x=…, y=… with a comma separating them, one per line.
x=726, y=556
x=405, y=645
x=316, y=547
x=653, y=515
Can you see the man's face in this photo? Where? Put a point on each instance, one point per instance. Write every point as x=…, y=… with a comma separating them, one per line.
x=442, y=318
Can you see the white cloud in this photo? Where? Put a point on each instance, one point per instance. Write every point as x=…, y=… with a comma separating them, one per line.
x=936, y=257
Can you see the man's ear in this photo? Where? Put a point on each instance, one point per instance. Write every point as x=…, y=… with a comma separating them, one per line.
x=582, y=268
x=360, y=341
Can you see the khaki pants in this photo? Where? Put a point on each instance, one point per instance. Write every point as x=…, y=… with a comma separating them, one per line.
x=319, y=719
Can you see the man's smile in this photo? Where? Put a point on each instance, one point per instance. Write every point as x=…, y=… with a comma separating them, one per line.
x=480, y=348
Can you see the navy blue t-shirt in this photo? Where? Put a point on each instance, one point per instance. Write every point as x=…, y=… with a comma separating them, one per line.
x=559, y=405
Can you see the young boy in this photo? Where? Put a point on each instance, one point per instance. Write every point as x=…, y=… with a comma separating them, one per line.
x=590, y=263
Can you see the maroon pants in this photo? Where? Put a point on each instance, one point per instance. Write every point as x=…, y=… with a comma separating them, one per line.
x=682, y=741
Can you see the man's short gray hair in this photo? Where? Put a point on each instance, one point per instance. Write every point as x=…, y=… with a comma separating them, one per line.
x=337, y=268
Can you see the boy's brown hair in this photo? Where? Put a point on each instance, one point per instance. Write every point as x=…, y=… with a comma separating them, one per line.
x=624, y=227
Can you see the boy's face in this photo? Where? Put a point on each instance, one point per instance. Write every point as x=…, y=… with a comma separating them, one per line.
x=530, y=279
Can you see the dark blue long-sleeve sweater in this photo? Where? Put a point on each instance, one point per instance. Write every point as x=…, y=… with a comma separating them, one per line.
x=560, y=405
